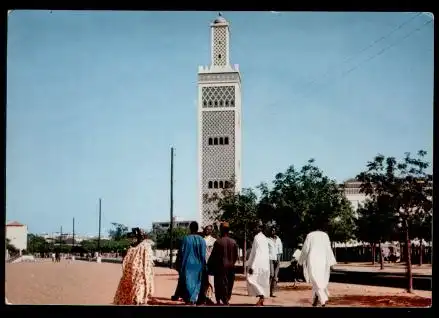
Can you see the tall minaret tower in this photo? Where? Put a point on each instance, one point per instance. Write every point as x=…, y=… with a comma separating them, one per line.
x=219, y=122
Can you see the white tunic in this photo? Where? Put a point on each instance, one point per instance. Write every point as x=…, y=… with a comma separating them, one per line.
x=317, y=258
x=258, y=283
x=210, y=241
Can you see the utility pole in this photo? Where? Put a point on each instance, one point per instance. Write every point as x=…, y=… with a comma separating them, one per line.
x=60, y=237
x=171, y=225
x=73, y=238
x=99, y=234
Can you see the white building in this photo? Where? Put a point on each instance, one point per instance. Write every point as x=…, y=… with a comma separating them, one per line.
x=351, y=189
x=219, y=122
x=17, y=235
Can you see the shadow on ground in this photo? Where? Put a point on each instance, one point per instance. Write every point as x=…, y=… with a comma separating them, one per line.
x=162, y=301
x=380, y=301
x=295, y=287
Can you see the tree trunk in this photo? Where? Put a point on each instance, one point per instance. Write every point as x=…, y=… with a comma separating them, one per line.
x=372, y=245
x=421, y=251
x=408, y=260
x=381, y=257
x=244, y=260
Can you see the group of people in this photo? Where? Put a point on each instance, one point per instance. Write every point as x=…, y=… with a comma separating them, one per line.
x=316, y=258
x=56, y=257
x=206, y=266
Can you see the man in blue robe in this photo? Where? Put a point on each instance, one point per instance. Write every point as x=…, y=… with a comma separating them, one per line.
x=191, y=267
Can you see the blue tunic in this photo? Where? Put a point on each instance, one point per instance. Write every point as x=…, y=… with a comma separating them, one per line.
x=191, y=264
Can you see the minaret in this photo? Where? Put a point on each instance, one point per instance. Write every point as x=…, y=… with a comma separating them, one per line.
x=219, y=122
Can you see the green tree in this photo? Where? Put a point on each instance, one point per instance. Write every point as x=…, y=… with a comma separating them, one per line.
x=300, y=198
x=376, y=223
x=162, y=237
x=90, y=245
x=406, y=187
x=239, y=209
x=118, y=232
x=421, y=229
x=37, y=244
x=11, y=248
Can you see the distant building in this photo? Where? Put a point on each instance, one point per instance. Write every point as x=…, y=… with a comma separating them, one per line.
x=351, y=189
x=165, y=225
x=17, y=235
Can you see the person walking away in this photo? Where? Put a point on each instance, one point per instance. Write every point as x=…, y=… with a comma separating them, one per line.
x=258, y=274
x=191, y=266
x=136, y=285
x=275, y=249
x=222, y=265
x=210, y=241
x=317, y=259
x=295, y=262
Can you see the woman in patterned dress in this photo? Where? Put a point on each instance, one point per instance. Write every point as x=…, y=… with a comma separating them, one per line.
x=137, y=283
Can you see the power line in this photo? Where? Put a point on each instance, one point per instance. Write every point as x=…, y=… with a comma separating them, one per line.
x=351, y=57
x=389, y=46
x=383, y=50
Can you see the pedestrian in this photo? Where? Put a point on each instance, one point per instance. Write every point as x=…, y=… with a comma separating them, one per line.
x=317, y=259
x=191, y=267
x=222, y=265
x=297, y=273
x=210, y=241
x=275, y=252
x=258, y=274
x=136, y=285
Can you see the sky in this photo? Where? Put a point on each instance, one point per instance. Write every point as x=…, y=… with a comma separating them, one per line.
x=95, y=100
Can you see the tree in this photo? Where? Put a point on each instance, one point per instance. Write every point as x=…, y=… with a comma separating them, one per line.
x=239, y=209
x=37, y=244
x=300, y=198
x=421, y=229
x=406, y=187
x=375, y=224
x=119, y=231
x=163, y=239
x=11, y=248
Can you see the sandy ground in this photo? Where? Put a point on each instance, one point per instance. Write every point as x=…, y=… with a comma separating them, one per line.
x=87, y=283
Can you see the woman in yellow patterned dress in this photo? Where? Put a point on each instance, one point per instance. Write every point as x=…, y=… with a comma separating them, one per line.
x=137, y=283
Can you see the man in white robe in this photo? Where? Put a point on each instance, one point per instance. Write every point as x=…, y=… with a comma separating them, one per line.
x=210, y=241
x=258, y=274
x=317, y=259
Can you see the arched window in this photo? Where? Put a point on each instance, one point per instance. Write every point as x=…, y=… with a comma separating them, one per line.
x=227, y=103
x=210, y=141
x=226, y=184
x=216, y=103
x=221, y=141
x=215, y=141
x=221, y=185
x=221, y=103
x=210, y=184
x=226, y=140
x=232, y=102
x=215, y=184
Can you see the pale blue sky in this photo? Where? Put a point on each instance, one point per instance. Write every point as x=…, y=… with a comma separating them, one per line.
x=96, y=99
